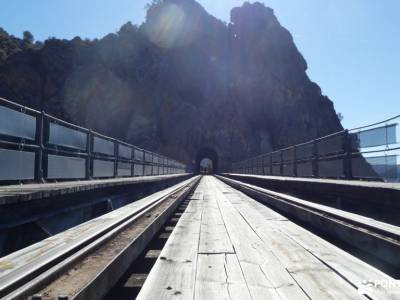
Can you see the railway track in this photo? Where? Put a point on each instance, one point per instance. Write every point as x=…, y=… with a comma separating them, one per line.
x=111, y=257
x=86, y=261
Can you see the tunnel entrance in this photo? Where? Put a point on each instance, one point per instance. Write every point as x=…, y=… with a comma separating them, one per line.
x=207, y=160
x=206, y=166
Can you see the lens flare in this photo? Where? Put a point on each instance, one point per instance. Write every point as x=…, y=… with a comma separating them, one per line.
x=171, y=27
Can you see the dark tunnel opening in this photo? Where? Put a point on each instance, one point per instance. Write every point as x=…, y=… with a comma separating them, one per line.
x=202, y=155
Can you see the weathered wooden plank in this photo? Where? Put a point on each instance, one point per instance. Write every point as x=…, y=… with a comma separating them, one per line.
x=219, y=276
x=354, y=270
x=331, y=210
x=268, y=214
x=197, y=195
x=173, y=275
x=361, y=233
x=214, y=237
x=265, y=276
x=315, y=278
x=342, y=263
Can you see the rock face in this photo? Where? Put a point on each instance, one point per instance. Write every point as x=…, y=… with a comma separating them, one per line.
x=180, y=83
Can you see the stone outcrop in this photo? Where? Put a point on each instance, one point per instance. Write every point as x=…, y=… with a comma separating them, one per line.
x=180, y=82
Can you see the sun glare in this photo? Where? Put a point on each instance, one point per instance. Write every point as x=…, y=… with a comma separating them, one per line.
x=172, y=27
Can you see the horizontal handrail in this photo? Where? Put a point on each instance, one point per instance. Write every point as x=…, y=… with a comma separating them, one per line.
x=66, y=124
x=378, y=123
x=8, y=103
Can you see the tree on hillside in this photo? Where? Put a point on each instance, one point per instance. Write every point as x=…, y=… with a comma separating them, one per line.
x=127, y=29
x=340, y=116
x=28, y=37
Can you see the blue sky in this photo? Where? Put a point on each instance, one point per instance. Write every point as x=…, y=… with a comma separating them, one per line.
x=352, y=46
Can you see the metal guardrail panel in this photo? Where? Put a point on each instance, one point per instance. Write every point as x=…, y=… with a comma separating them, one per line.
x=267, y=170
x=138, y=170
x=148, y=157
x=103, y=168
x=124, y=169
x=331, y=145
x=305, y=169
x=124, y=151
x=266, y=160
x=331, y=168
x=162, y=170
x=17, y=124
x=148, y=170
x=386, y=166
x=63, y=136
x=288, y=154
x=288, y=169
x=305, y=151
x=139, y=155
x=380, y=136
x=276, y=157
x=64, y=167
x=16, y=165
x=103, y=146
x=155, y=158
x=378, y=167
x=155, y=170
x=276, y=170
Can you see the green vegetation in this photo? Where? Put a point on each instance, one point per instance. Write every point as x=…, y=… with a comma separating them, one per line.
x=10, y=45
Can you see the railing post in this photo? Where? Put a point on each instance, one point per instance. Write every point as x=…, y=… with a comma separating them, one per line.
x=89, y=163
x=153, y=164
x=116, y=158
x=315, y=171
x=295, y=161
x=133, y=162
x=270, y=165
x=347, y=161
x=281, y=162
x=144, y=163
x=263, y=165
x=39, y=176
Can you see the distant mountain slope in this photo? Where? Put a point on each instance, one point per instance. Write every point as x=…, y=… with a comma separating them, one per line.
x=181, y=81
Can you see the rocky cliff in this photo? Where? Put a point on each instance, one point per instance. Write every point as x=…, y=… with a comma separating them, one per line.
x=179, y=82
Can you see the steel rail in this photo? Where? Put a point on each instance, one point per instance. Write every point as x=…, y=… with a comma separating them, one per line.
x=31, y=266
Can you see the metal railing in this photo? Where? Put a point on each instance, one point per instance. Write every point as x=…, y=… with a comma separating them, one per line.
x=371, y=152
x=37, y=147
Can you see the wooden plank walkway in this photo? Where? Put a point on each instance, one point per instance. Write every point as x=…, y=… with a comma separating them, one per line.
x=228, y=246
